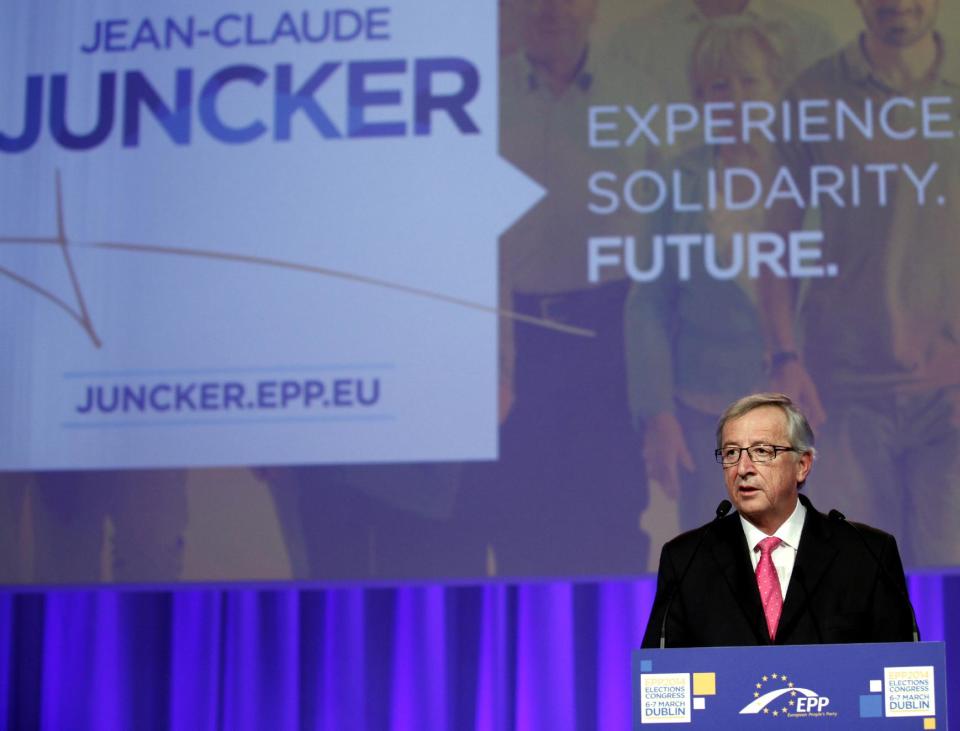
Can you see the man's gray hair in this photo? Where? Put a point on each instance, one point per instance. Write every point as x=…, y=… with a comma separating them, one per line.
x=799, y=432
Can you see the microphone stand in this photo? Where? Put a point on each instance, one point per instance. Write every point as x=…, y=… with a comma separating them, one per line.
x=839, y=517
x=722, y=509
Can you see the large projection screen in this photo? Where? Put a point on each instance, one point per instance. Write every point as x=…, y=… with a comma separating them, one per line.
x=457, y=290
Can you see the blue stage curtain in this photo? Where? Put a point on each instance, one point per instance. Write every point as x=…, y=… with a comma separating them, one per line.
x=413, y=658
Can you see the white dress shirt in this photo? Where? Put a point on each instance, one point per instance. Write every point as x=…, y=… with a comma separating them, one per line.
x=785, y=555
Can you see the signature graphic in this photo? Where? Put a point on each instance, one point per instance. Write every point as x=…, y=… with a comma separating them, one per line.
x=78, y=309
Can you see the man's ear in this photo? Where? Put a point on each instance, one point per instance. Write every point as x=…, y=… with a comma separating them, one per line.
x=804, y=465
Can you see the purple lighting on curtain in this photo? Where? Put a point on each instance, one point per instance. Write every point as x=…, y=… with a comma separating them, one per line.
x=6, y=653
x=418, y=658
x=260, y=661
x=545, y=661
x=623, y=613
x=493, y=691
x=344, y=652
x=926, y=593
x=194, y=655
x=84, y=625
x=420, y=701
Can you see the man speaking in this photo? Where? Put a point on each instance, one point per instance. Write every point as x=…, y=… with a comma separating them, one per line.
x=776, y=571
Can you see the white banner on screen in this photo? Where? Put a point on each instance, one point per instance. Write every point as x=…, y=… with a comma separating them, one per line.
x=249, y=233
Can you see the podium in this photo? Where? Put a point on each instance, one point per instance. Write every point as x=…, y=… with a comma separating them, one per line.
x=897, y=685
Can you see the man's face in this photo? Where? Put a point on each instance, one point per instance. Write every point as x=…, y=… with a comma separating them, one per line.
x=747, y=79
x=765, y=493
x=899, y=23
x=556, y=28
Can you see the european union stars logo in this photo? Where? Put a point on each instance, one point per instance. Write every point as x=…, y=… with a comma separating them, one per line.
x=776, y=695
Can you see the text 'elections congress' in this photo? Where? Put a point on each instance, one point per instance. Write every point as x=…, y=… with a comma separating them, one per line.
x=646, y=254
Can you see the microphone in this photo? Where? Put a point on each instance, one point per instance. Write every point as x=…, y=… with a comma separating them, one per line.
x=722, y=509
x=837, y=516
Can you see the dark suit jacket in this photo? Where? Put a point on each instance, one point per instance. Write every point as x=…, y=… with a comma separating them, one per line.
x=837, y=593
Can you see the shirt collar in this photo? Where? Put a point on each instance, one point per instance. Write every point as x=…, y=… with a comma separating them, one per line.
x=859, y=69
x=789, y=532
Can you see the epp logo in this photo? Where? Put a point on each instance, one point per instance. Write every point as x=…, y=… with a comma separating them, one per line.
x=777, y=695
x=812, y=704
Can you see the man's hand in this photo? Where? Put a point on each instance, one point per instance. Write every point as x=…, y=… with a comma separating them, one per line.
x=792, y=378
x=665, y=451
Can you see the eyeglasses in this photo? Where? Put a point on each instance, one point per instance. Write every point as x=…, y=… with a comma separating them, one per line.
x=759, y=453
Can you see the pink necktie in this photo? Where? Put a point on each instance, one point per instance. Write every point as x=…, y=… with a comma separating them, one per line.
x=769, y=584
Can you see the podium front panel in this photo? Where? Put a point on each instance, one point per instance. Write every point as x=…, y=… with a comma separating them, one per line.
x=840, y=687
